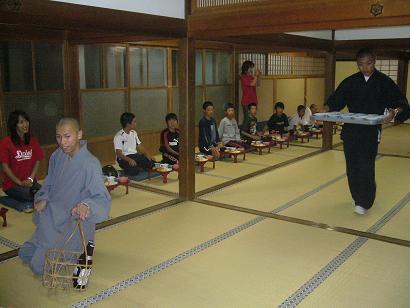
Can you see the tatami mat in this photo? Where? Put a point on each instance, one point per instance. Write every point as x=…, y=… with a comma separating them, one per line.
x=4, y=249
x=227, y=170
x=137, y=199
x=376, y=276
x=317, y=143
x=122, y=251
x=396, y=140
x=273, y=189
x=258, y=267
x=331, y=204
x=20, y=227
x=399, y=225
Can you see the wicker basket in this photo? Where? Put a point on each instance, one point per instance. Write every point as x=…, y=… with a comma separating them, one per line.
x=60, y=264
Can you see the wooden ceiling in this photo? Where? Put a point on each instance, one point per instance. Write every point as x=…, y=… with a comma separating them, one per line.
x=255, y=27
x=277, y=16
x=79, y=22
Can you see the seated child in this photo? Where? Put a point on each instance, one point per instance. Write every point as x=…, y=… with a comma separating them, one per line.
x=170, y=141
x=249, y=126
x=278, y=121
x=131, y=154
x=228, y=128
x=314, y=109
x=299, y=120
x=20, y=156
x=208, y=132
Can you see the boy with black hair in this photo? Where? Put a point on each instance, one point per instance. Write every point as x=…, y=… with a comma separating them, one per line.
x=208, y=132
x=279, y=120
x=249, y=126
x=228, y=128
x=131, y=154
x=368, y=91
x=170, y=140
x=300, y=119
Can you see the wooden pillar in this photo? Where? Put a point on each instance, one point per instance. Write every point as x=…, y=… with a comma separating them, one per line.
x=402, y=74
x=186, y=74
x=327, y=141
x=72, y=86
x=235, y=81
x=3, y=116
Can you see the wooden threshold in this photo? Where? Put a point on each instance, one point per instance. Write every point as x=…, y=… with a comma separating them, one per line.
x=111, y=222
x=309, y=223
x=256, y=173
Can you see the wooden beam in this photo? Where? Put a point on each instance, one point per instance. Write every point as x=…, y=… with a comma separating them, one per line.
x=3, y=116
x=22, y=32
x=402, y=74
x=235, y=80
x=298, y=15
x=330, y=72
x=73, y=83
x=278, y=41
x=186, y=74
x=59, y=15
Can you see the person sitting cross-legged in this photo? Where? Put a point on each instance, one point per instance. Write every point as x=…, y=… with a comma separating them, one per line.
x=208, y=133
x=131, y=154
x=228, y=129
x=170, y=141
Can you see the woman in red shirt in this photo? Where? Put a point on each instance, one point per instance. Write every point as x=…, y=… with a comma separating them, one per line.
x=249, y=79
x=20, y=156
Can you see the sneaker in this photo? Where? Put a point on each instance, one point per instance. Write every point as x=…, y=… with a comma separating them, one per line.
x=359, y=210
x=354, y=204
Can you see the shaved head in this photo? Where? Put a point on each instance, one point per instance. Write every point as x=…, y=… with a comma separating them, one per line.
x=68, y=135
x=71, y=122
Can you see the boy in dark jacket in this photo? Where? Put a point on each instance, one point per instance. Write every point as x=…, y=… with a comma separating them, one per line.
x=208, y=132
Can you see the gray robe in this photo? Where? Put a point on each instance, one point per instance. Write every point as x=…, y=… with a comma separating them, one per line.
x=69, y=182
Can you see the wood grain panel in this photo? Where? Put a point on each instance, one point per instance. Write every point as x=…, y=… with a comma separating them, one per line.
x=282, y=16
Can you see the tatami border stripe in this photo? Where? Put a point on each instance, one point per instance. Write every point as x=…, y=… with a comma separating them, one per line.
x=8, y=243
x=188, y=253
x=257, y=173
x=114, y=222
x=297, y=297
x=216, y=176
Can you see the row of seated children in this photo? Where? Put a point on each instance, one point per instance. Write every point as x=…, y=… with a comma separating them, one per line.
x=133, y=157
x=228, y=133
x=131, y=154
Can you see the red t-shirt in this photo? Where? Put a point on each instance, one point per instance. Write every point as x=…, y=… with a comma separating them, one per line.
x=248, y=91
x=20, y=159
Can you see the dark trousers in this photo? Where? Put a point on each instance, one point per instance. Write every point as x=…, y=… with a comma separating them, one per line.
x=142, y=163
x=360, y=155
x=23, y=193
x=168, y=158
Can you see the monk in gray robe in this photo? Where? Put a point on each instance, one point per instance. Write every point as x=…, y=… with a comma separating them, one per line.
x=74, y=189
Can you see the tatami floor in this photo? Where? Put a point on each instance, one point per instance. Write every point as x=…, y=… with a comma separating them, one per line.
x=273, y=230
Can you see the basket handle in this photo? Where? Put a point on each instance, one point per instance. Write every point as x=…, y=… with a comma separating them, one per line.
x=80, y=229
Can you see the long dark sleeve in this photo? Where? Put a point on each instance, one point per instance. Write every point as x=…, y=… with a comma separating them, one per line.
x=337, y=101
x=202, y=142
x=395, y=98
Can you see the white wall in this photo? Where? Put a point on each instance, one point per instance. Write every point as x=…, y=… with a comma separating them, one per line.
x=373, y=33
x=320, y=34
x=169, y=8
x=359, y=33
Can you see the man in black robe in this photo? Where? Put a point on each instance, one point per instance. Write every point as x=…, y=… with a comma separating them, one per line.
x=368, y=91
